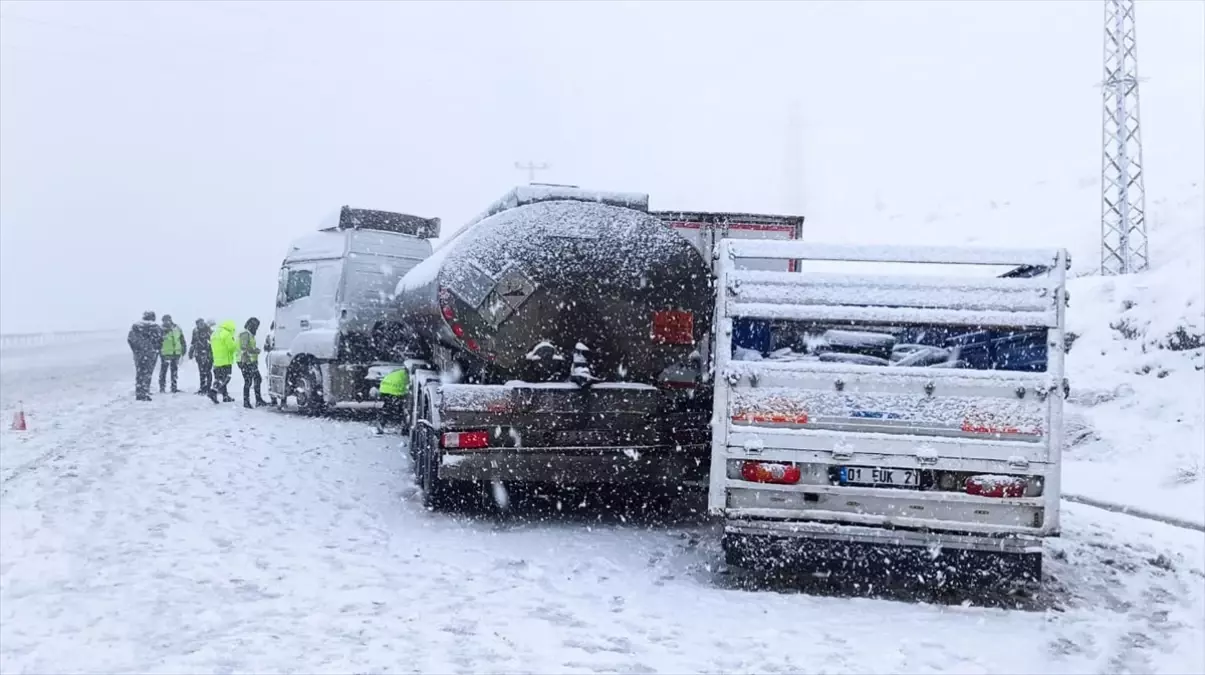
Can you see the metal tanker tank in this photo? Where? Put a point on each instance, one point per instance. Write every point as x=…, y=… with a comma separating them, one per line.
x=545, y=271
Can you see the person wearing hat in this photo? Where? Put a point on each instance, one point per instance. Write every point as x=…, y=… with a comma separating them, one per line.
x=198, y=349
x=223, y=347
x=170, y=353
x=393, y=395
x=145, y=340
x=248, y=363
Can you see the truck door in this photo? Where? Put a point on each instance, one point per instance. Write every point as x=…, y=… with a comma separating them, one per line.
x=293, y=303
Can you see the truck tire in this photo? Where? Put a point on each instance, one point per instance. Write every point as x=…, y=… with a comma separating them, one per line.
x=437, y=492
x=307, y=384
x=415, y=443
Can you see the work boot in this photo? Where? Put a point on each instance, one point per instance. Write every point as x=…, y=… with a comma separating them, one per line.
x=162, y=390
x=259, y=403
x=213, y=396
x=227, y=399
x=248, y=406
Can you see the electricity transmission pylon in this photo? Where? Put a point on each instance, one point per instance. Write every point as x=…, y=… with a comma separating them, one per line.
x=1123, y=206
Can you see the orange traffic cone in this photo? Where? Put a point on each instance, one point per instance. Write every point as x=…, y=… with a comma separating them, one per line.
x=19, y=419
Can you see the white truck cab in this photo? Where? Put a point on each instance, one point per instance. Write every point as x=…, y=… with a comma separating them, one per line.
x=335, y=325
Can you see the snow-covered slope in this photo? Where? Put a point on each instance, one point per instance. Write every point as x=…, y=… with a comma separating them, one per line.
x=1137, y=370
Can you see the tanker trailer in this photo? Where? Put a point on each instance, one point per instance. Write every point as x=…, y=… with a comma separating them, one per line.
x=558, y=334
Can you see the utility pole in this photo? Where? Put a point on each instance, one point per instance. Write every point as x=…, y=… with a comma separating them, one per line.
x=792, y=170
x=1123, y=205
x=531, y=168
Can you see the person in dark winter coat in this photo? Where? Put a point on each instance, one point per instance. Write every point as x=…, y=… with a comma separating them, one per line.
x=198, y=349
x=145, y=340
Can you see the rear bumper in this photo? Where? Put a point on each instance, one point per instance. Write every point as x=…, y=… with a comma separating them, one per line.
x=881, y=536
x=640, y=464
x=885, y=557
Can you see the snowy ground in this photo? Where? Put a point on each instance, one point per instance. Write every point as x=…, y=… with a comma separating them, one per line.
x=1137, y=393
x=179, y=536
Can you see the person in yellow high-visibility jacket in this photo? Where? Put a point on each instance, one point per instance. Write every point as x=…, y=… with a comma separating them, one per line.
x=393, y=392
x=170, y=353
x=223, y=347
x=248, y=363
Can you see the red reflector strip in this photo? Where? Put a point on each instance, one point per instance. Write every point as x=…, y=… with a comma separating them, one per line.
x=801, y=418
x=465, y=440
x=996, y=486
x=457, y=330
x=768, y=472
x=673, y=327
x=976, y=428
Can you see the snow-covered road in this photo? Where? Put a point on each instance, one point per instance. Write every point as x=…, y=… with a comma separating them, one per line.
x=179, y=536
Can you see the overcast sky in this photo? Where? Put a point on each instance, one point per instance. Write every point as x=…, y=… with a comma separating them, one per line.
x=162, y=155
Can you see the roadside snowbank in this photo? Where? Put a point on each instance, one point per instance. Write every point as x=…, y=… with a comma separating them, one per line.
x=1137, y=419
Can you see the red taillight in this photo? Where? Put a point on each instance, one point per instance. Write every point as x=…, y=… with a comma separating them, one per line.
x=457, y=330
x=769, y=472
x=471, y=344
x=996, y=486
x=448, y=313
x=673, y=327
x=466, y=440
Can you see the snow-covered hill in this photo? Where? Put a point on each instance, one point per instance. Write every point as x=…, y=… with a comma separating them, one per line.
x=1136, y=369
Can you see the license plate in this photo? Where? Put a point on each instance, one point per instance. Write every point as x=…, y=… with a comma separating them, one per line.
x=868, y=475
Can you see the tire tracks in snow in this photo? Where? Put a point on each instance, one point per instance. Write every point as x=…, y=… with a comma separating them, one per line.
x=1149, y=590
x=77, y=442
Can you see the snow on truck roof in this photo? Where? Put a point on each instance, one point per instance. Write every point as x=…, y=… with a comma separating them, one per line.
x=348, y=218
x=333, y=244
x=340, y=231
x=540, y=218
x=532, y=194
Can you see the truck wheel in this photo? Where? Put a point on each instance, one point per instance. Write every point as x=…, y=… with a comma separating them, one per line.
x=308, y=387
x=437, y=492
x=415, y=440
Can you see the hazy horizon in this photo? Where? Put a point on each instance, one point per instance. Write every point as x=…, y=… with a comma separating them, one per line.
x=162, y=155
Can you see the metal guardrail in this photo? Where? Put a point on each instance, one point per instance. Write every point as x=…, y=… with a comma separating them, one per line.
x=8, y=340
x=1134, y=511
